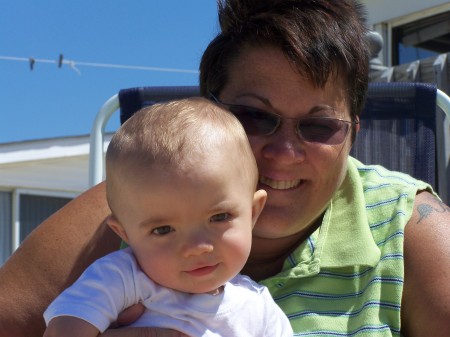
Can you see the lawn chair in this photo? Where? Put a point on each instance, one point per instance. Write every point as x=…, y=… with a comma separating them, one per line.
x=128, y=101
x=401, y=128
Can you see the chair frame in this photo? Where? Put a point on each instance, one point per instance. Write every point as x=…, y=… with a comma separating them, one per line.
x=96, y=153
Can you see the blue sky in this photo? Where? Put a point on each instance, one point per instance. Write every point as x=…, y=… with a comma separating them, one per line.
x=51, y=102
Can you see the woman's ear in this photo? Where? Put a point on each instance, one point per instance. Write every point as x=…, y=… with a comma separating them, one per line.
x=259, y=200
x=117, y=227
x=357, y=126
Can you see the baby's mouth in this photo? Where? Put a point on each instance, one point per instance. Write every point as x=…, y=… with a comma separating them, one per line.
x=279, y=184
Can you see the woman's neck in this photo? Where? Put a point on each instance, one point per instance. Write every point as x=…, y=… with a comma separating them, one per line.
x=268, y=255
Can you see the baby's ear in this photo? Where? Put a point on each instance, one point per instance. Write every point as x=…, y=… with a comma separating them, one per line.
x=117, y=227
x=259, y=200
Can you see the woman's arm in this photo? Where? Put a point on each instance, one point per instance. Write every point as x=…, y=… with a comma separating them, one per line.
x=142, y=332
x=51, y=258
x=67, y=326
x=426, y=297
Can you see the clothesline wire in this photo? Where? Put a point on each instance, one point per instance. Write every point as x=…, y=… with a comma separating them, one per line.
x=73, y=64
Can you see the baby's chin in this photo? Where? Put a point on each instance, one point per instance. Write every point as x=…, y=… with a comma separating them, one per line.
x=209, y=290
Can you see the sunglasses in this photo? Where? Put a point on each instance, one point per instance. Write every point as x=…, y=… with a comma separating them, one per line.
x=322, y=130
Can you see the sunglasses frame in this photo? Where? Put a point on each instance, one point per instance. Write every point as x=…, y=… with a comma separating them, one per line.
x=280, y=118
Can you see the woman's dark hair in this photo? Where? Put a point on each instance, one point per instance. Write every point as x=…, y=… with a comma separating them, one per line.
x=324, y=40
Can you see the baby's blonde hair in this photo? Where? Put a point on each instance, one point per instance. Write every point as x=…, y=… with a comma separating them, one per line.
x=173, y=135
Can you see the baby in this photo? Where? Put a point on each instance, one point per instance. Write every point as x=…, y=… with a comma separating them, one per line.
x=181, y=184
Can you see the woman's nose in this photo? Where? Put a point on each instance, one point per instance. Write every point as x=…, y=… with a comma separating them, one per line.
x=284, y=146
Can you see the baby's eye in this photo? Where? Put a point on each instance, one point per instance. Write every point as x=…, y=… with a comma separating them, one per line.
x=220, y=217
x=163, y=230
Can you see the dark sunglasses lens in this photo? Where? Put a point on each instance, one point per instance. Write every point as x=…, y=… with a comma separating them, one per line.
x=255, y=122
x=323, y=130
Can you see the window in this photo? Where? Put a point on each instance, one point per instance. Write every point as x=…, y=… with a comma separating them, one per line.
x=421, y=39
x=5, y=225
x=34, y=209
x=20, y=213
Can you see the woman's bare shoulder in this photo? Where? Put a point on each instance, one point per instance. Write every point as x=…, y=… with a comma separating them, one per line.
x=426, y=298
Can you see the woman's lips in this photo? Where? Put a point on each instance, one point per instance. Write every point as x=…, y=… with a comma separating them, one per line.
x=279, y=184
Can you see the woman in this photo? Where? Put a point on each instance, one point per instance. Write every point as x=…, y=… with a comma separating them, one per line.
x=345, y=249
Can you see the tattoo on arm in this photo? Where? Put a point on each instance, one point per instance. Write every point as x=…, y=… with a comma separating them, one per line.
x=426, y=209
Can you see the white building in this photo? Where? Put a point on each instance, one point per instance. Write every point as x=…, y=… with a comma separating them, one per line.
x=411, y=29
x=36, y=179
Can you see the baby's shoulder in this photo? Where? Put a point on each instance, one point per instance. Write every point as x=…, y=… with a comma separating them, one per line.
x=246, y=283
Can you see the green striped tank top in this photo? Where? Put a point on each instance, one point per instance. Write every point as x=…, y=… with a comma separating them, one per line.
x=346, y=279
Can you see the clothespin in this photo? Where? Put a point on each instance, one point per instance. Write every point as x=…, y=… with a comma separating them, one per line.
x=60, y=61
x=32, y=62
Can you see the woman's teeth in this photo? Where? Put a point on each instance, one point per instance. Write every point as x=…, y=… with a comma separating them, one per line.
x=279, y=184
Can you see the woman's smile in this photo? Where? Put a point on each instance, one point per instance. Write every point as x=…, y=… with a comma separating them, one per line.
x=280, y=184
